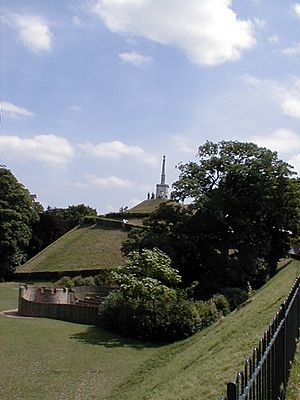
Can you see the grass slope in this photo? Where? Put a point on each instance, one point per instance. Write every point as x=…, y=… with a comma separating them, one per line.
x=293, y=390
x=147, y=206
x=92, y=247
x=199, y=367
x=43, y=358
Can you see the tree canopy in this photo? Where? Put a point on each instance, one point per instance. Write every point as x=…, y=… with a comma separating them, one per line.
x=18, y=211
x=244, y=209
x=55, y=222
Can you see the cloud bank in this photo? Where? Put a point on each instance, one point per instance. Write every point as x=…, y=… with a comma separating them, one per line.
x=208, y=31
x=116, y=149
x=49, y=149
x=108, y=182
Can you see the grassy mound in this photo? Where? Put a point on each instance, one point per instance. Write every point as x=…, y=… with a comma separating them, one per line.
x=83, y=248
x=147, y=206
x=49, y=359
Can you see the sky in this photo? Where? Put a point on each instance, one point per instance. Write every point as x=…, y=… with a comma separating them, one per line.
x=95, y=92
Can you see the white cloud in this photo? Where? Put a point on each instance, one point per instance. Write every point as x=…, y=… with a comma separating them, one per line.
x=281, y=140
x=33, y=31
x=286, y=94
x=184, y=144
x=291, y=106
x=108, y=182
x=14, y=111
x=116, y=149
x=273, y=39
x=49, y=148
x=134, y=58
x=292, y=51
x=295, y=162
x=208, y=31
x=296, y=9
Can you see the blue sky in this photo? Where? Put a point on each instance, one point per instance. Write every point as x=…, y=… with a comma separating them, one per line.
x=94, y=93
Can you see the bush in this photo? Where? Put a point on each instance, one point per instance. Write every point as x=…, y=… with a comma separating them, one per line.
x=221, y=303
x=78, y=280
x=65, y=281
x=155, y=320
x=147, y=306
x=235, y=296
x=207, y=312
x=88, y=281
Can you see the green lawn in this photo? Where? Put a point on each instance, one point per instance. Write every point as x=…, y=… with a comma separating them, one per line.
x=293, y=392
x=49, y=359
x=43, y=358
x=92, y=247
x=147, y=206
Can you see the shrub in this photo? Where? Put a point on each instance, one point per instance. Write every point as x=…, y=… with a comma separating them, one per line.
x=235, y=296
x=221, y=303
x=78, y=280
x=88, y=281
x=65, y=281
x=157, y=320
x=104, y=278
x=207, y=312
x=146, y=306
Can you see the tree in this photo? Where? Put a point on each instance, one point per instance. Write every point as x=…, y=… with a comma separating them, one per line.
x=244, y=211
x=55, y=222
x=18, y=211
x=146, y=304
x=248, y=203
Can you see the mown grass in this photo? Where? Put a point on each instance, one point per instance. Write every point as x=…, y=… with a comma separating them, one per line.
x=147, y=206
x=92, y=247
x=199, y=367
x=50, y=359
x=293, y=390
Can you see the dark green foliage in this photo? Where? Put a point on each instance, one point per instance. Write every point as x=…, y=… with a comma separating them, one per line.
x=146, y=305
x=55, y=222
x=18, y=211
x=69, y=282
x=245, y=210
x=65, y=281
x=235, y=296
x=156, y=319
x=221, y=303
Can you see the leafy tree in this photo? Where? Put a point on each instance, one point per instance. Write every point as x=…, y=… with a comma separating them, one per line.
x=18, y=211
x=147, y=305
x=244, y=211
x=249, y=204
x=55, y=222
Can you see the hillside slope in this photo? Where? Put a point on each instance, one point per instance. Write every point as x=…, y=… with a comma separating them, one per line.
x=199, y=367
x=87, y=247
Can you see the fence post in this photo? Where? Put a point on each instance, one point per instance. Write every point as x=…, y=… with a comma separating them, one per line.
x=232, y=391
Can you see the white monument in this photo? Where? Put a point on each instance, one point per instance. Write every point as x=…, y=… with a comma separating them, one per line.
x=162, y=188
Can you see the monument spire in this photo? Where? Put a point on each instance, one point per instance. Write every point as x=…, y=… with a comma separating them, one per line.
x=163, y=171
x=162, y=188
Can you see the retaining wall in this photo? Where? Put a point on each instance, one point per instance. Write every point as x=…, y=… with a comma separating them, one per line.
x=33, y=303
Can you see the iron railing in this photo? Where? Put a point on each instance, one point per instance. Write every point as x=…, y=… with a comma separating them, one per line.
x=266, y=372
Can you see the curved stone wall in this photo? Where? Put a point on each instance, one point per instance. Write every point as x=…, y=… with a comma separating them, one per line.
x=42, y=294
x=59, y=303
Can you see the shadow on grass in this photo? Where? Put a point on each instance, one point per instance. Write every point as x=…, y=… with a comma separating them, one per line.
x=99, y=337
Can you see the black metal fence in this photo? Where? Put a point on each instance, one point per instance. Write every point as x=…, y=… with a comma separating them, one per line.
x=266, y=373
